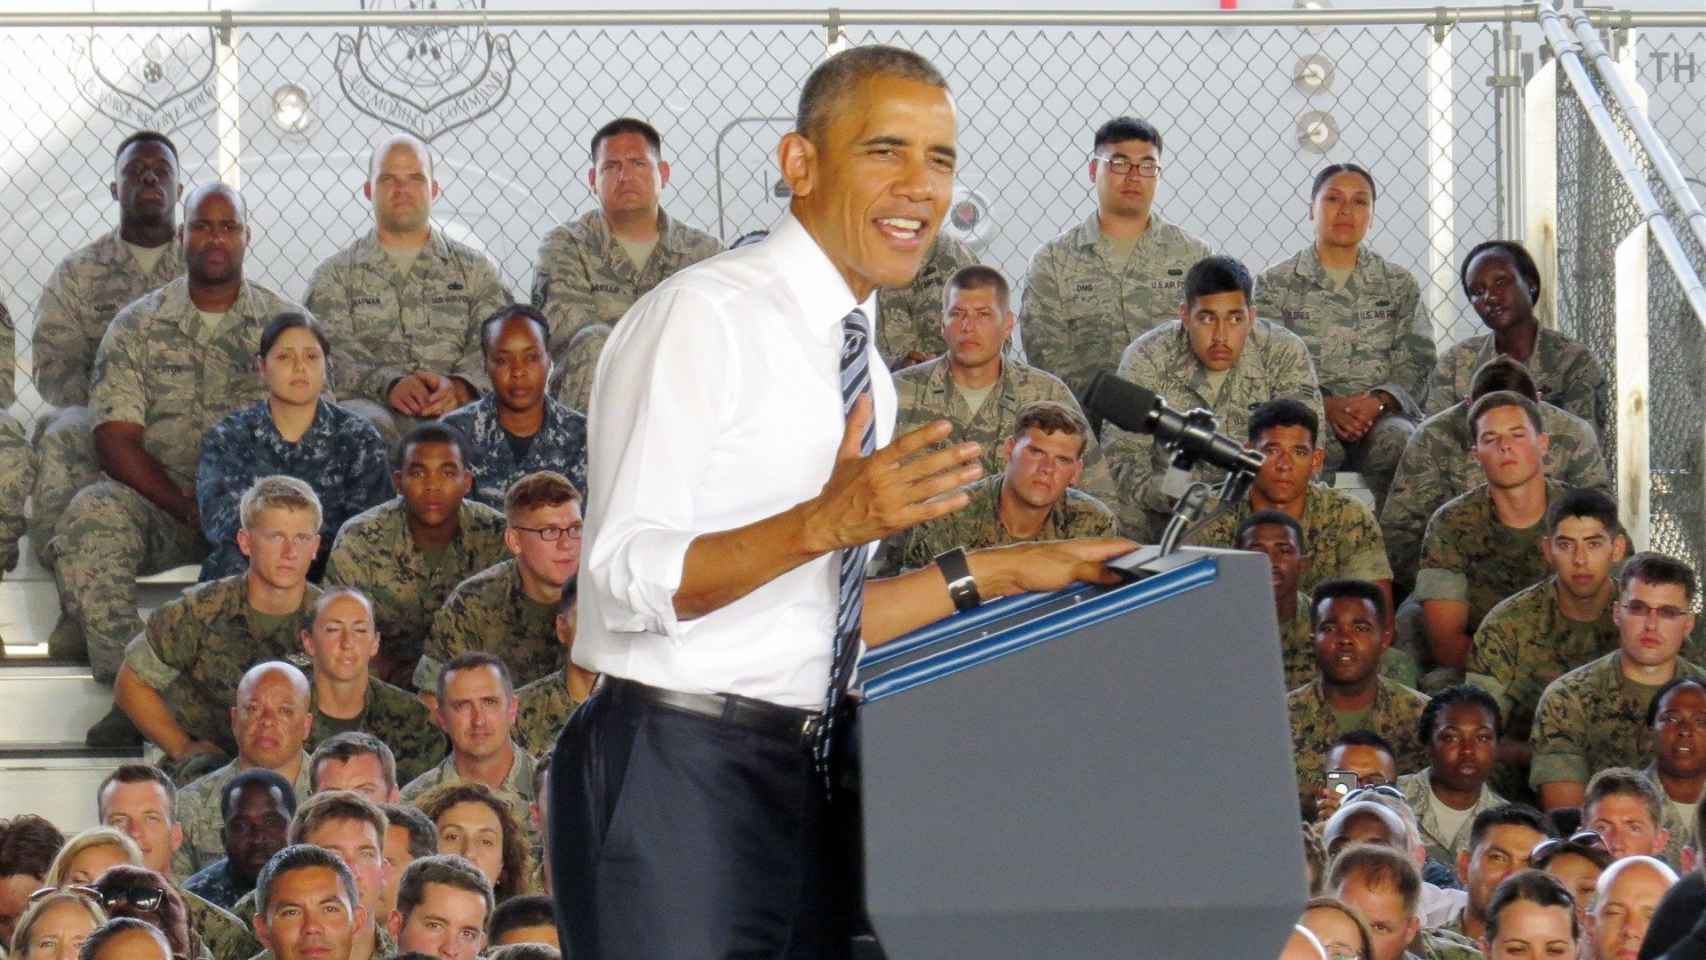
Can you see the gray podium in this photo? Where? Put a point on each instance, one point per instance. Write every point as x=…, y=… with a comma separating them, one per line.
x=1101, y=772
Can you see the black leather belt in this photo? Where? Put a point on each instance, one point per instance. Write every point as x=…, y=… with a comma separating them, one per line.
x=784, y=723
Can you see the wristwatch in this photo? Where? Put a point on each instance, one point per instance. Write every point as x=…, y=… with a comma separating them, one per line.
x=962, y=587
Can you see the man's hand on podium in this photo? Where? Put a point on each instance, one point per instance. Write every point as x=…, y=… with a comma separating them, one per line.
x=1049, y=565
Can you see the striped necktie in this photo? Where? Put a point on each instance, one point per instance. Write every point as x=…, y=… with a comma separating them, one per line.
x=850, y=602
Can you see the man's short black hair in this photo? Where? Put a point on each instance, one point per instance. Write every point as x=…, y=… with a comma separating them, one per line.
x=1346, y=588
x=473, y=660
x=623, y=125
x=1217, y=273
x=1507, y=815
x=1525, y=265
x=1502, y=374
x=1332, y=170
x=146, y=136
x=256, y=777
x=135, y=773
x=1664, y=691
x=423, y=833
x=1584, y=503
x=346, y=746
x=978, y=276
x=840, y=75
x=299, y=856
x=1363, y=738
x=489, y=326
x=1656, y=568
x=529, y=910
x=432, y=432
x=1450, y=697
x=1284, y=412
x=1276, y=517
x=1121, y=129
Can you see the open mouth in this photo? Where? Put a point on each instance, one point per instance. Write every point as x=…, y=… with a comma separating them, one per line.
x=904, y=230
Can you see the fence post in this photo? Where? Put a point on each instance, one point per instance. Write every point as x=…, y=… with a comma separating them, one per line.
x=1439, y=125
x=1540, y=185
x=1634, y=466
x=229, y=110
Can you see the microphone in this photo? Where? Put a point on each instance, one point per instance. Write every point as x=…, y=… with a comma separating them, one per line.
x=1192, y=436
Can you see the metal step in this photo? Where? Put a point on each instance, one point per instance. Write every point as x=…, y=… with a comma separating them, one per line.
x=43, y=702
x=56, y=781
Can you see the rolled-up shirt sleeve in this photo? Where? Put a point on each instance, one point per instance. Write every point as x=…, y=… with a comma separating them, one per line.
x=662, y=396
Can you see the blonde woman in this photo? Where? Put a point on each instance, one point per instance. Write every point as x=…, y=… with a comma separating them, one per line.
x=55, y=925
x=88, y=855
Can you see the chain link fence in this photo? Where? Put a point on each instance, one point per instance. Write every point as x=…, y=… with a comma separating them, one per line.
x=1248, y=113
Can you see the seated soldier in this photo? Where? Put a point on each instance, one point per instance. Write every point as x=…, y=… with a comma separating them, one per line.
x=1364, y=753
x=408, y=553
x=307, y=907
x=403, y=303
x=1383, y=885
x=1532, y=915
x=1443, y=897
x=909, y=318
x=1677, y=721
x=1344, y=540
x=80, y=298
x=976, y=385
x=1623, y=903
x=1439, y=462
x=353, y=828
x=510, y=609
x=1032, y=499
x=1627, y=811
x=1349, y=623
x=356, y=761
x=543, y=706
x=1217, y=355
x=170, y=366
x=591, y=270
x=1542, y=632
x=1503, y=285
x=476, y=708
x=341, y=642
x=181, y=673
x=443, y=905
x=1280, y=537
x=1364, y=321
x=525, y=919
x=17, y=462
x=270, y=721
x=516, y=429
x=478, y=823
x=1496, y=845
x=255, y=810
x=294, y=432
x=1576, y=861
x=1591, y=718
x=409, y=836
x=1459, y=728
x=1484, y=545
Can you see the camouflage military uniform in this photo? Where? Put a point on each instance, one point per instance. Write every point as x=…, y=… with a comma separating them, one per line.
x=580, y=361
x=197, y=647
x=158, y=368
x=1344, y=540
x=1680, y=821
x=542, y=707
x=1592, y=718
x=1082, y=307
x=1437, y=465
x=384, y=948
x=517, y=790
x=489, y=611
x=394, y=716
x=979, y=525
x=925, y=392
x=1441, y=944
x=197, y=809
x=559, y=445
x=341, y=457
x=1416, y=789
x=216, y=884
x=1526, y=642
x=1297, y=646
x=1469, y=555
x=385, y=325
x=17, y=462
x=909, y=319
x=375, y=553
x=224, y=936
x=1566, y=373
x=82, y=295
x=1396, y=711
x=1273, y=364
x=1371, y=334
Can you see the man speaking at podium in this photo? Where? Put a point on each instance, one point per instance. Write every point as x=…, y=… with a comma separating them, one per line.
x=740, y=464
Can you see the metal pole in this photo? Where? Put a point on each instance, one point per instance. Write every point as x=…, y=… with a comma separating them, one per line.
x=228, y=109
x=1634, y=391
x=1441, y=179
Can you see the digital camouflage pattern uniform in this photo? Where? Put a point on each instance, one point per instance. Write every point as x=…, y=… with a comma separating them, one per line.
x=1680, y=821
x=1273, y=364
x=1442, y=944
x=341, y=456
x=245, y=908
x=1083, y=306
x=489, y=611
x=542, y=707
x=1525, y=642
x=579, y=363
x=82, y=295
x=1297, y=646
x=1416, y=787
x=1437, y=465
x=517, y=789
x=1469, y=555
x=17, y=461
x=376, y=554
x=196, y=648
x=394, y=716
x=909, y=318
x=224, y=936
x=197, y=810
x=1371, y=334
x=158, y=368
x=979, y=525
x=216, y=884
x=1592, y=718
x=1343, y=539
x=559, y=445
x=385, y=325
x=925, y=392
x=1566, y=373
x=1395, y=713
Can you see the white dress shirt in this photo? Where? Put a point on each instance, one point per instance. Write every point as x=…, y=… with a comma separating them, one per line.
x=717, y=403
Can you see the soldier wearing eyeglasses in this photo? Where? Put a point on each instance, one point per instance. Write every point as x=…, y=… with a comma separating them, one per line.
x=1594, y=716
x=510, y=609
x=180, y=674
x=1117, y=275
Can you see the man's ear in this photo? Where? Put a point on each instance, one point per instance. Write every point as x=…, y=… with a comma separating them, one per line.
x=797, y=157
x=663, y=174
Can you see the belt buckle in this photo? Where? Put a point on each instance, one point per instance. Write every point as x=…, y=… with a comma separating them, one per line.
x=811, y=727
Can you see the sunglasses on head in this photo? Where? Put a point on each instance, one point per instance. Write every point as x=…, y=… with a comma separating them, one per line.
x=1580, y=840
x=140, y=896
x=81, y=889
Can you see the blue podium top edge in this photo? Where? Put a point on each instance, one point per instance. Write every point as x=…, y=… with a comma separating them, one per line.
x=1086, y=612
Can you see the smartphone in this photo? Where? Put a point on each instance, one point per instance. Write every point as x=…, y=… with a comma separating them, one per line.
x=1341, y=782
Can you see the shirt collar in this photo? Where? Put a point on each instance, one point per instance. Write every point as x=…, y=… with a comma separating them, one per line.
x=818, y=287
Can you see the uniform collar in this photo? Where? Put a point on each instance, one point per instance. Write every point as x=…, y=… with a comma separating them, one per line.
x=369, y=250
x=817, y=286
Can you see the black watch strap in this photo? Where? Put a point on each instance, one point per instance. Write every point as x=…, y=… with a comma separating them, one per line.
x=962, y=588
